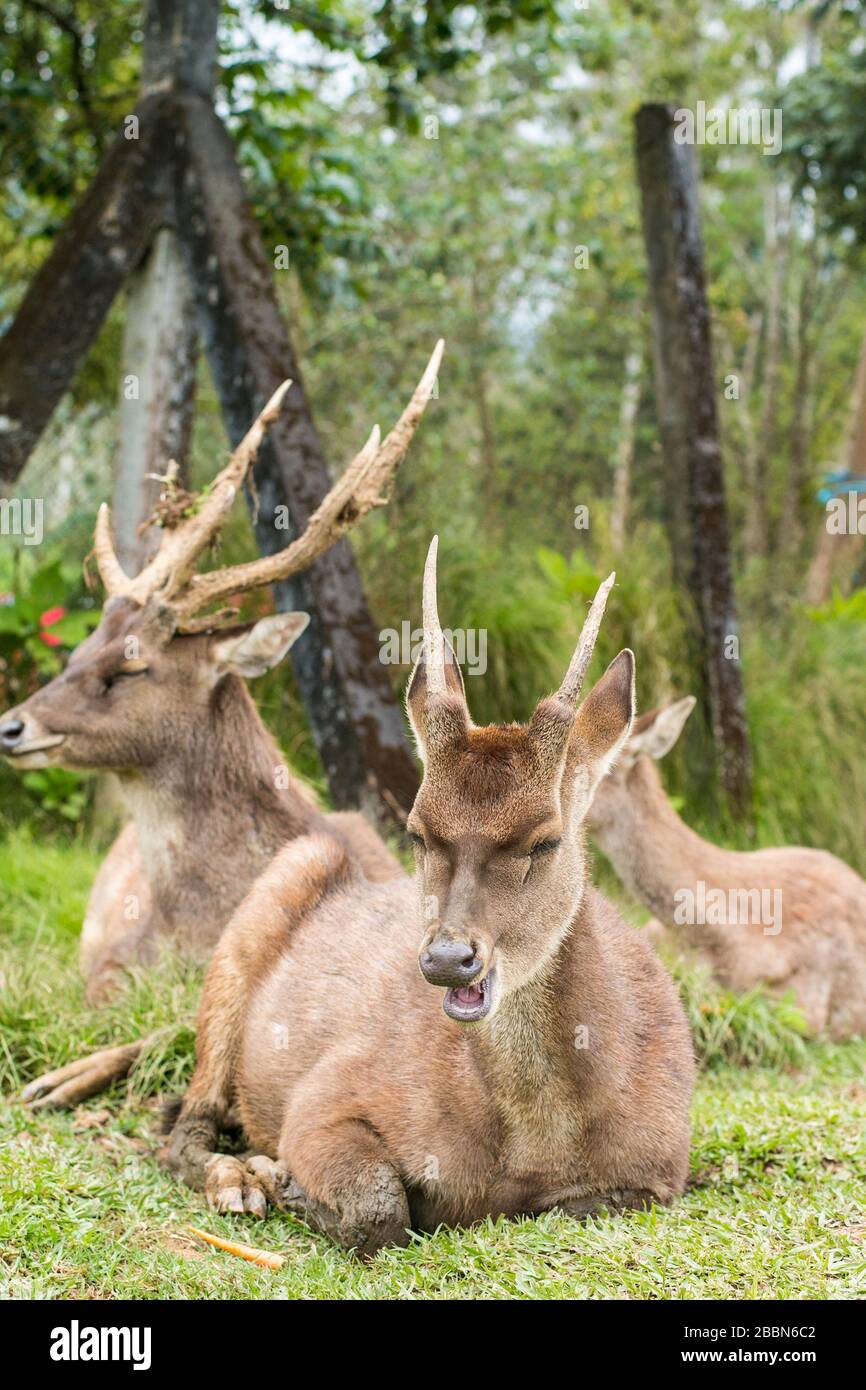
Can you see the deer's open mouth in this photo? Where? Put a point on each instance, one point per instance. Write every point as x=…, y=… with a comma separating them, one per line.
x=470, y=1003
x=35, y=750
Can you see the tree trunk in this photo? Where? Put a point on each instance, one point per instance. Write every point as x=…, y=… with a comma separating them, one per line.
x=62, y=312
x=482, y=394
x=157, y=392
x=628, y=408
x=685, y=392
x=160, y=344
x=356, y=721
x=746, y=417
x=794, y=509
x=758, y=511
x=836, y=556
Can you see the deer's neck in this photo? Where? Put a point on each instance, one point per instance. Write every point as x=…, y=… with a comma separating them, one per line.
x=658, y=856
x=552, y=1045
x=213, y=814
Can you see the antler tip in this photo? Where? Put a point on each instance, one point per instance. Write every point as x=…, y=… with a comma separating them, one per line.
x=272, y=408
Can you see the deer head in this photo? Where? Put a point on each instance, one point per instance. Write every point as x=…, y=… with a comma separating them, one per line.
x=653, y=735
x=156, y=662
x=496, y=822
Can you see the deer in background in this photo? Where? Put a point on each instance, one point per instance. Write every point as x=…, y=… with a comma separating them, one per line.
x=785, y=919
x=490, y=1038
x=156, y=695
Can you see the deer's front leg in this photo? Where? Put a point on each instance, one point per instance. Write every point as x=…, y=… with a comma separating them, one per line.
x=343, y=1182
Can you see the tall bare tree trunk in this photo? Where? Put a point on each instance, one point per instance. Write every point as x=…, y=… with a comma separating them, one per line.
x=836, y=556
x=628, y=407
x=686, y=402
x=794, y=508
x=758, y=512
x=160, y=342
x=746, y=415
x=157, y=391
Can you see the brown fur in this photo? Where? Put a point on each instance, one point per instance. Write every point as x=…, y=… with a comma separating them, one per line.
x=370, y=1108
x=820, y=951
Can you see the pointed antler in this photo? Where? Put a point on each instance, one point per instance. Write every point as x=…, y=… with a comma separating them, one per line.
x=571, y=687
x=434, y=642
x=172, y=565
x=361, y=488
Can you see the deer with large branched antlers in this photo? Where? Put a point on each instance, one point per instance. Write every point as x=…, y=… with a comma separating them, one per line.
x=156, y=695
x=783, y=919
x=488, y=1039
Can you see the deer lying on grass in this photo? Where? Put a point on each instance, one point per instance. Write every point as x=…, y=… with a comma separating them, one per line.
x=787, y=919
x=550, y=1064
x=157, y=695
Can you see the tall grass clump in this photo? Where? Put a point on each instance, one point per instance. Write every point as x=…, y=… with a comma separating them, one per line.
x=739, y=1030
x=44, y=1021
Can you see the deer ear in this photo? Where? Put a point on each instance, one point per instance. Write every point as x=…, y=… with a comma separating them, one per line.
x=250, y=651
x=417, y=699
x=656, y=733
x=601, y=724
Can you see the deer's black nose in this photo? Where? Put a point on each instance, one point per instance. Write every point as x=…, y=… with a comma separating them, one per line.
x=10, y=733
x=451, y=963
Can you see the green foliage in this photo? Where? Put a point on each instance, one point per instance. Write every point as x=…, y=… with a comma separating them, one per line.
x=841, y=608
x=738, y=1030
x=825, y=115
x=39, y=623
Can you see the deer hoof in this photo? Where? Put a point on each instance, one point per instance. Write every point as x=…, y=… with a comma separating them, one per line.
x=230, y=1187
x=276, y=1182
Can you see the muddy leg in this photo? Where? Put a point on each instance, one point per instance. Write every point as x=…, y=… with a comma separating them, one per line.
x=79, y=1080
x=345, y=1184
x=283, y=1192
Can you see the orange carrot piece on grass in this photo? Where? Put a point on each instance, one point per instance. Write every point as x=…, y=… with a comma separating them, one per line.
x=266, y=1258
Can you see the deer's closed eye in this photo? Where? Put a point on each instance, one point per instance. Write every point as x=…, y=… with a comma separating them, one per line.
x=544, y=847
x=417, y=840
x=137, y=669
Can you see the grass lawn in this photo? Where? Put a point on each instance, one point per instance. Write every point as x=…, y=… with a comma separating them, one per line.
x=777, y=1206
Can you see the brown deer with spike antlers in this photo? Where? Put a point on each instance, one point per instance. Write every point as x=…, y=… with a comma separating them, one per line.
x=490, y=1038
x=156, y=695
x=783, y=919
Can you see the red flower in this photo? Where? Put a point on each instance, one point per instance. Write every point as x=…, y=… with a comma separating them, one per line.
x=48, y=618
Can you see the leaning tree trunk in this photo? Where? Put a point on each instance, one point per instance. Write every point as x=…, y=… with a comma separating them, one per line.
x=179, y=168
x=355, y=719
x=62, y=312
x=686, y=400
